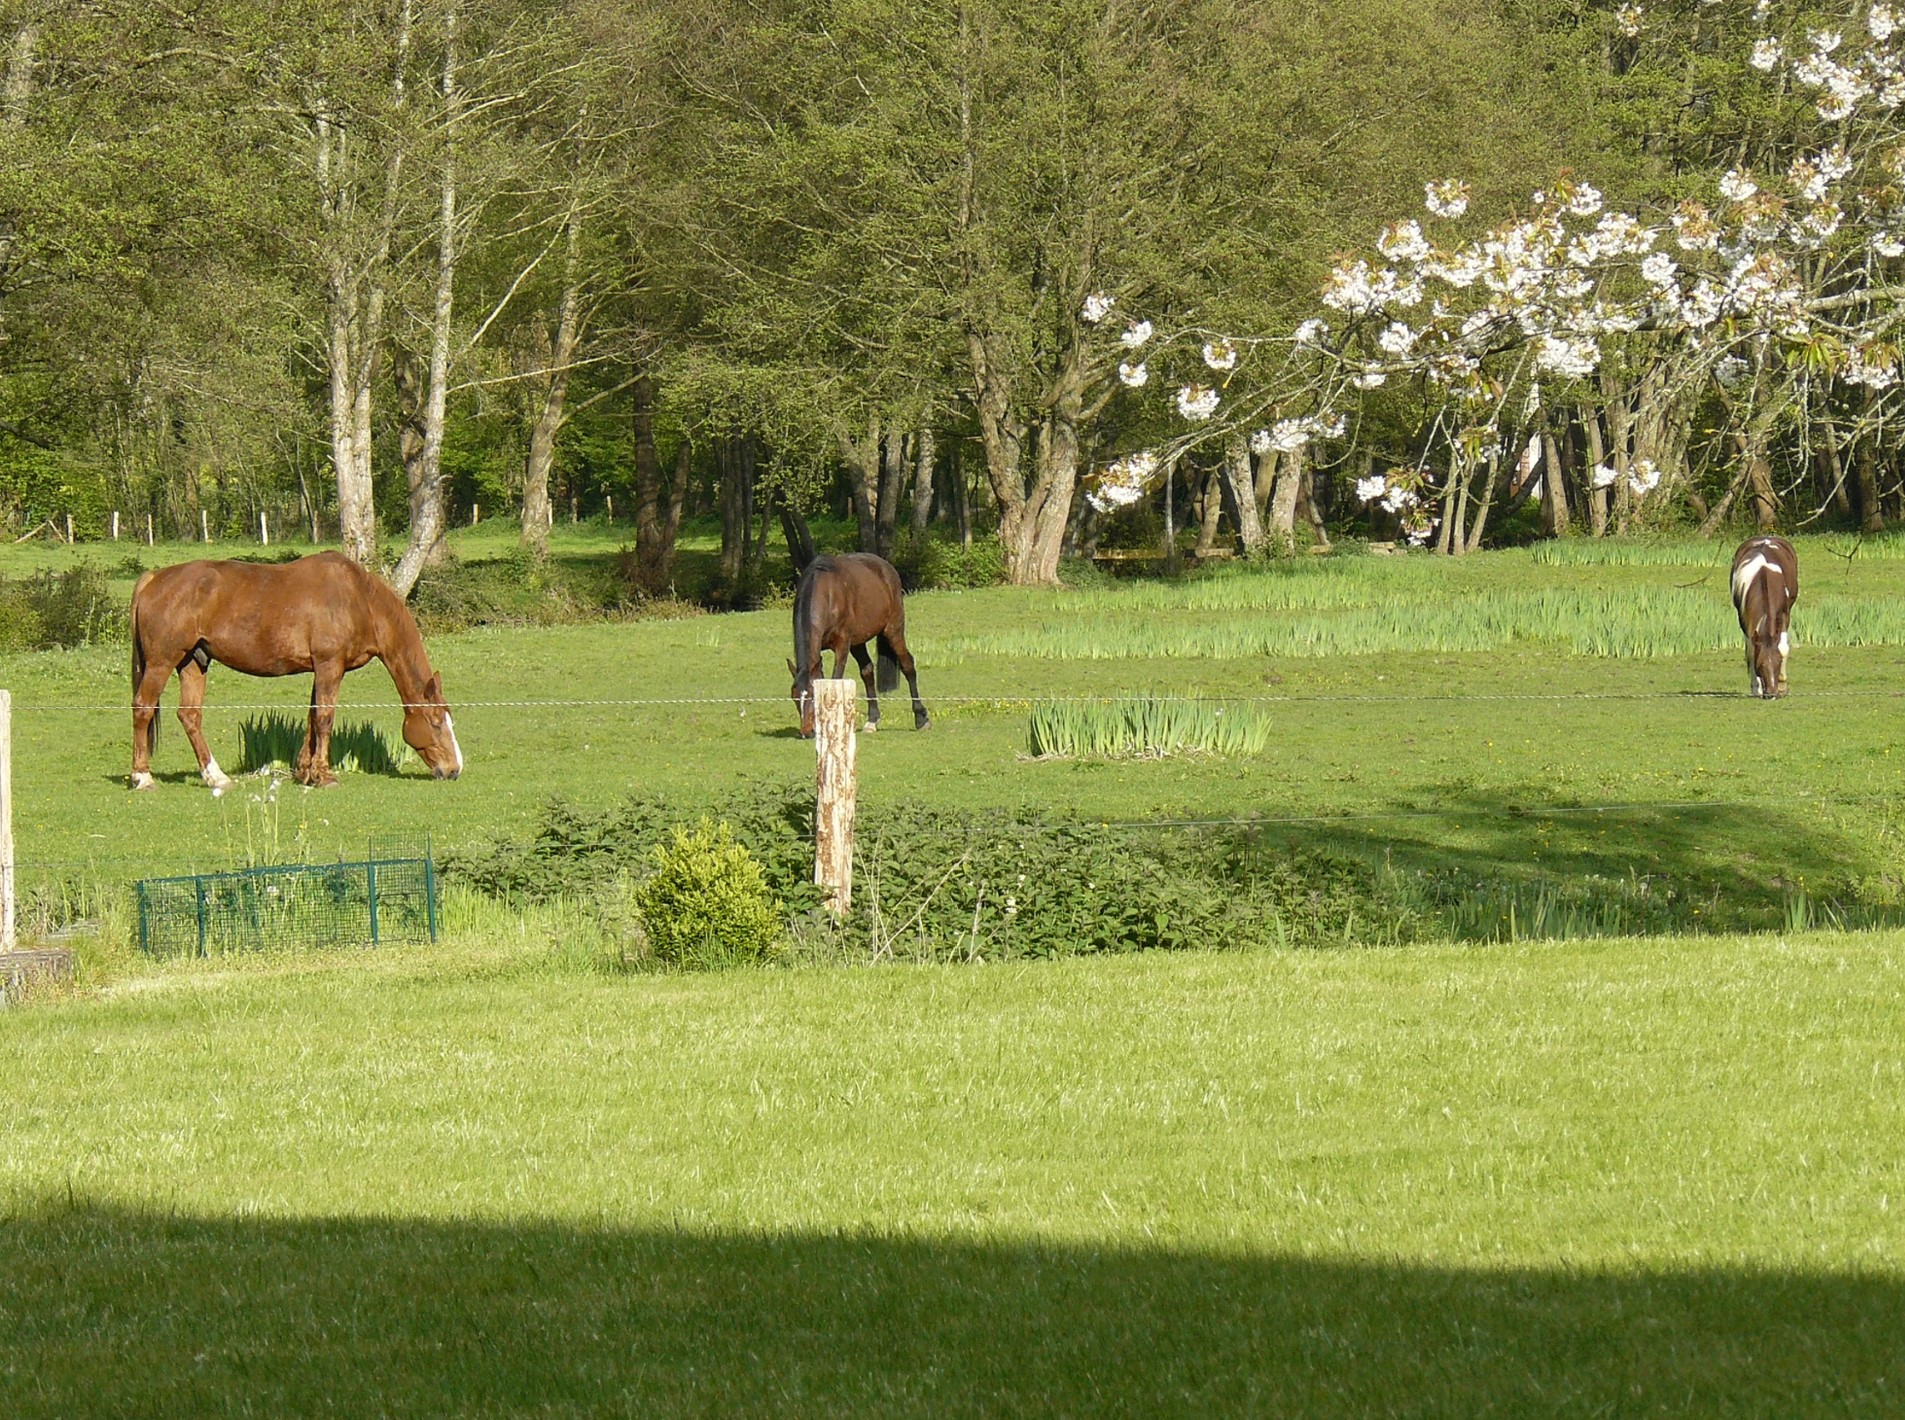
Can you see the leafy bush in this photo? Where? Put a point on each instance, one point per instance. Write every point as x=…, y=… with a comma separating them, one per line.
x=59, y=610
x=929, y=561
x=707, y=902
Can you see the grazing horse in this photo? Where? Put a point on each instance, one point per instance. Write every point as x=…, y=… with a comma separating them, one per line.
x=322, y=614
x=841, y=604
x=1765, y=586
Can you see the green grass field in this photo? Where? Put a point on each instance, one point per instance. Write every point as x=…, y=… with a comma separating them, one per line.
x=1646, y=1176
x=1641, y=1178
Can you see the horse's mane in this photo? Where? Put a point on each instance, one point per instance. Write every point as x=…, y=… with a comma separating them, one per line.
x=804, y=611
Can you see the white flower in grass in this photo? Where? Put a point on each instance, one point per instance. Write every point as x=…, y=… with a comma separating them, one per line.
x=1397, y=339
x=1136, y=334
x=1736, y=186
x=1197, y=402
x=1766, y=56
x=1134, y=375
x=1585, y=200
x=1220, y=355
x=1311, y=332
x=1371, y=488
x=1447, y=198
x=1604, y=475
x=1097, y=306
x=1403, y=241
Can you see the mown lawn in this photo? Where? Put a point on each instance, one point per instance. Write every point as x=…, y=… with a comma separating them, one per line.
x=1634, y=1178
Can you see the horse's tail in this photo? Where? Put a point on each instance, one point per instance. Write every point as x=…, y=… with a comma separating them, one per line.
x=139, y=657
x=887, y=676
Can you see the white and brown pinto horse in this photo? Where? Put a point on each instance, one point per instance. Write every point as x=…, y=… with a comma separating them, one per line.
x=322, y=614
x=1765, y=586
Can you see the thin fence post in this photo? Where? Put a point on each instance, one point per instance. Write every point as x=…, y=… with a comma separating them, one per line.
x=204, y=526
x=148, y=530
x=836, y=786
x=264, y=530
x=6, y=821
x=115, y=525
x=370, y=883
x=69, y=529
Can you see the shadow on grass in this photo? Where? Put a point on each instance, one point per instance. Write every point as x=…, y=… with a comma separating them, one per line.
x=1668, y=867
x=106, y=1312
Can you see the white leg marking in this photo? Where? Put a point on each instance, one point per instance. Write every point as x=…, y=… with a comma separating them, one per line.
x=1784, y=645
x=142, y=781
x=216, y=777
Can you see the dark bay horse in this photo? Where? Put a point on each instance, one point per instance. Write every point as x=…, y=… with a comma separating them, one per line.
x=841, y=604
x=1765, y=586
x=322, y=614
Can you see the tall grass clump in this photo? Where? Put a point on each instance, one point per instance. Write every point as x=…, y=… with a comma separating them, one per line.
x=275, y=739
x=1149, y=725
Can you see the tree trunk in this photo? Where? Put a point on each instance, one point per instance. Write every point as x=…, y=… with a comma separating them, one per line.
x=1554, y=487
x=1287, y=469
x=1032, y=471
x=1479, y=521
x=924, y=451
x=1597, y=458
x=800, y=538
x=1307, y=508
x=962, y=496
x=886, y=505
x=1212, y=510
x=424, y=474
x=1871, y=514
x=541, y=460
x=1243, y=494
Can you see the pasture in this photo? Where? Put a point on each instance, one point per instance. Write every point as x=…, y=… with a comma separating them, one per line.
x=1496, y=1176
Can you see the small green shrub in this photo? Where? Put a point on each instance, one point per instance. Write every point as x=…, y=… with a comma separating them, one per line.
x=274, y=738
x=53, y=611
x=707, y=902
x=1147, y=725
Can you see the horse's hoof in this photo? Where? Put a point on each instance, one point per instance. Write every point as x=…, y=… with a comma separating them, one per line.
x=872, y=725
x=143, y=781
x=922, y=723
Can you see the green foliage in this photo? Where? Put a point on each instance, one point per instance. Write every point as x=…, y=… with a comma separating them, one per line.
x=273, y=740
x=706, y=901
x=934, y=561
x=57, y=610
x=1147, y=725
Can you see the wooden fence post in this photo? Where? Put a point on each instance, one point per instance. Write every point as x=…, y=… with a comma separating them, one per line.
x=6, y=821
x=69, y=529
x=148, y=529
x=115, y=525
x=264, y=530
x=835, y=786
x=204, y=526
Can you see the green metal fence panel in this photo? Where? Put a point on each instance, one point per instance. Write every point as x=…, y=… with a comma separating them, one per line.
x=381, y=899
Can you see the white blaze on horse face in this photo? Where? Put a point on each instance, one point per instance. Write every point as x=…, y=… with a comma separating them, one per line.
x=449, y=728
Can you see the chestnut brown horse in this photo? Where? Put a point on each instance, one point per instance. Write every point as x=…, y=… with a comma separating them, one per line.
x=1765, y=586
x=841, y=604
x=322, y=614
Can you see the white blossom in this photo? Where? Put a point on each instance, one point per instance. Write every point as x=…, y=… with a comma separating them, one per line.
x=1572, y=356
x=1585, y=200
x=1643, y=477
x=1659, y=269
x=1197, y=402
x=1403, y=241
x=1312, y=331
x=1371, y=488
x=1369, y=379
x=1628, y=19
x=1136, y=334
x=1766, y=56
x=1397, y=339
x=1604, y=475
x=1097, y=306
x=1447, y=198
x=1220, y=354
x=1880, y=22
x=1736, y=186
x=1134, y=375
x=1730, y=371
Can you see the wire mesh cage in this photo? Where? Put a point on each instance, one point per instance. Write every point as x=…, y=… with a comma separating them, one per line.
x=390, y=896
